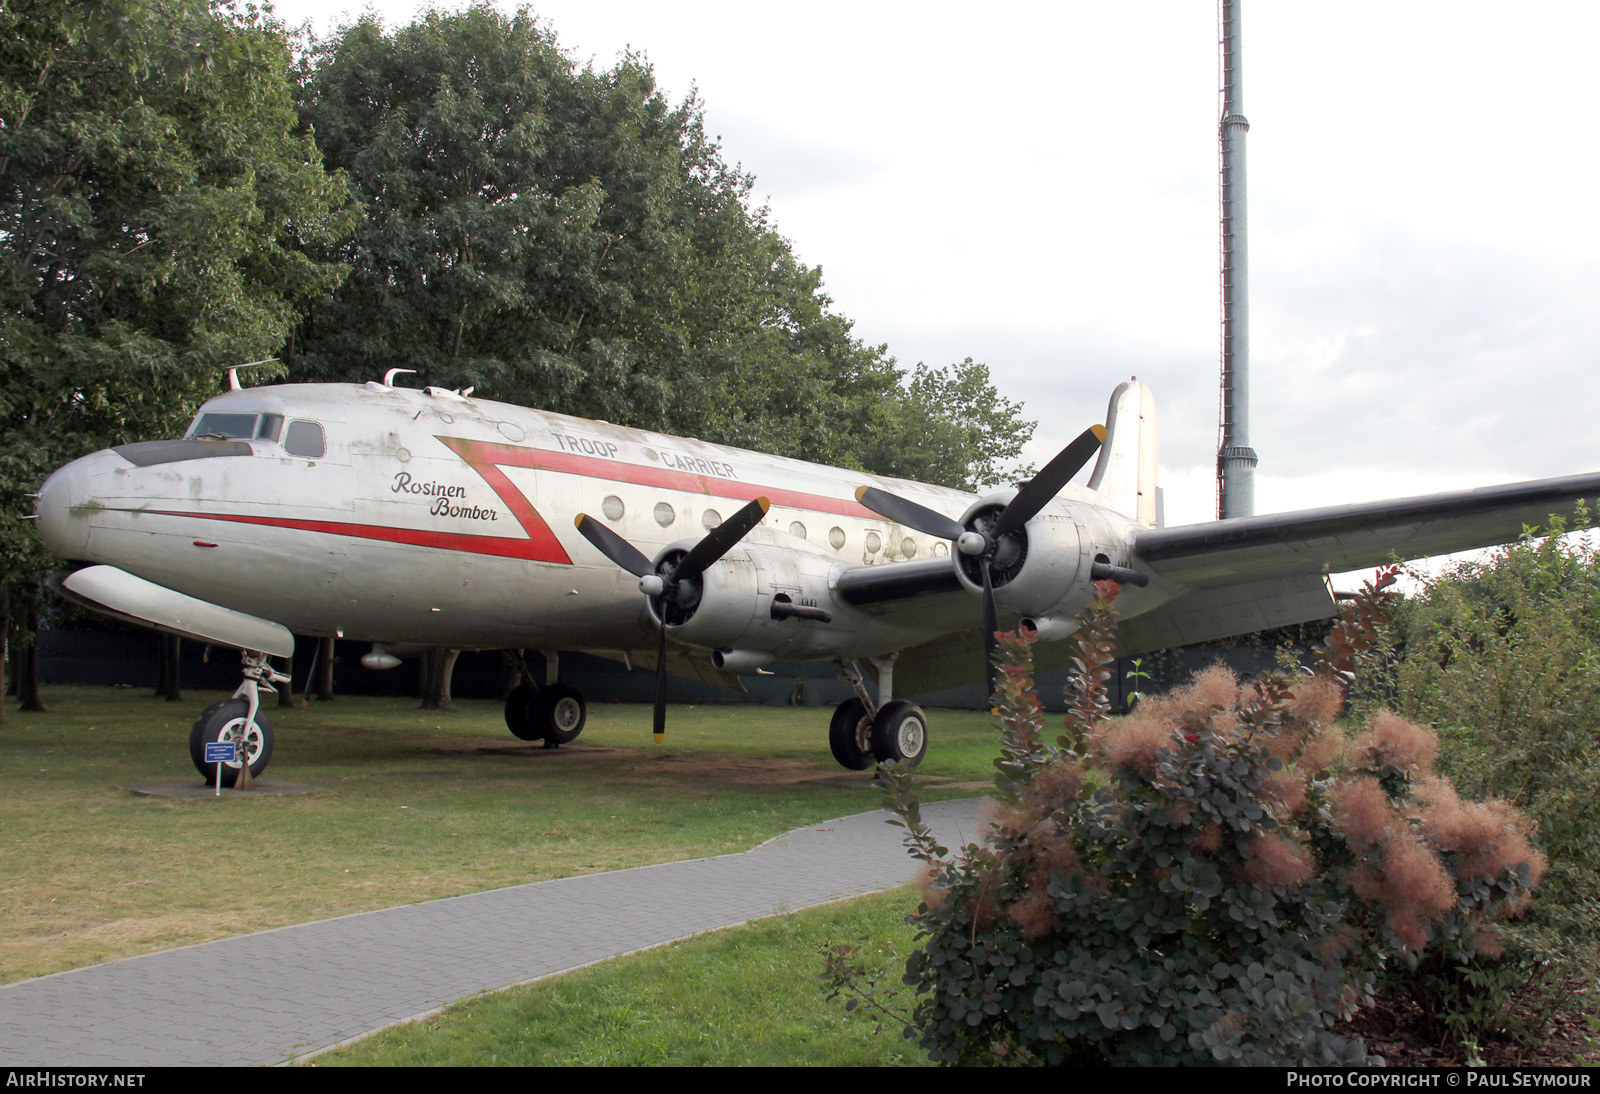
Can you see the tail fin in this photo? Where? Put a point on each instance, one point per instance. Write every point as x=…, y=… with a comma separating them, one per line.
x=1126, y=473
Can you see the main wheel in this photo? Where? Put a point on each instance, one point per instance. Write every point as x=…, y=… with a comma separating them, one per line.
x=224, y=721
x=520, y=719
x=558, y=713
x=850, y=735
x=900, y=733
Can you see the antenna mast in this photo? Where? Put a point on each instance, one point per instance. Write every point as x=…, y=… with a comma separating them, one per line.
x=1236, y=460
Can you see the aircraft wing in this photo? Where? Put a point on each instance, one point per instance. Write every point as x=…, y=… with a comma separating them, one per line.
x=1349, y=537
x=1250, y=574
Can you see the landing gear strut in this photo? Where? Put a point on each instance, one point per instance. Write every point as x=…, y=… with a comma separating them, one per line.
x=552, y=712
x=865, y=731
x=238, y=719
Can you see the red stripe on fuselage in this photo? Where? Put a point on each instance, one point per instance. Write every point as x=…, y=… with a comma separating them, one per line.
x=487, y=458
x=502, y=546
x=492, y=454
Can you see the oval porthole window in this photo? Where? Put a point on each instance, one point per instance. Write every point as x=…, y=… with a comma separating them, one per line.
x=908, y=547
x=797, y=529
x=665, y=514
x=874, y=541
x=940, y=550
x=836, y=537
x=511, y=432
x=710, y=519
x=612, y=507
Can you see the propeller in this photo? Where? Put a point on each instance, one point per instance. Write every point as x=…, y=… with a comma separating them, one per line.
x=990, y=548
x=673, y=585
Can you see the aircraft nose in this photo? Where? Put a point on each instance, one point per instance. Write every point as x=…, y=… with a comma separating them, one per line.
x=65, y=504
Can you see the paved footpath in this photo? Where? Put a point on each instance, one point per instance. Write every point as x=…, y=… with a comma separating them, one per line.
x=274, y=996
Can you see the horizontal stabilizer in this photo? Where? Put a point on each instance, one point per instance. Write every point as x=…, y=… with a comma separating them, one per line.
x=117, y=593
x=1350, y=537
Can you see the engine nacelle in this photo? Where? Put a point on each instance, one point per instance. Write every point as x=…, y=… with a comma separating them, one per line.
x=1039, y=570
x=757, y=598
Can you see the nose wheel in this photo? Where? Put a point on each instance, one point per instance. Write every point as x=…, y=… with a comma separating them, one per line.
x=225, y=721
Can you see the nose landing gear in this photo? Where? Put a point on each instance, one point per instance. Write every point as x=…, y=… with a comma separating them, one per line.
x=238, y=719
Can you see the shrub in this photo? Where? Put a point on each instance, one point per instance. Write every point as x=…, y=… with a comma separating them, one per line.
x=1503, y=656
x=1216, y=877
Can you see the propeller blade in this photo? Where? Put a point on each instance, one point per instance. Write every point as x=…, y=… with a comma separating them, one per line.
x=613, y=546
x=908, y=513
x=720, y=540
x=658, y=720
x=991, y=624
x=1037, y=491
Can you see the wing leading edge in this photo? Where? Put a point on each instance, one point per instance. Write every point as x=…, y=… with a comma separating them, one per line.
x=1350, y=537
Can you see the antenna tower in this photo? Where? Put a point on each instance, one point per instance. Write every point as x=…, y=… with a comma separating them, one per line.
x=1236, y=460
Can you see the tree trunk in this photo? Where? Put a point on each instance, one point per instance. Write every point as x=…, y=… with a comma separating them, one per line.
x=168, y=687
x=286, y=689
x=511, y=675
x=325, y=672
x=28, y=666
x=5, y=647
x=439, y=666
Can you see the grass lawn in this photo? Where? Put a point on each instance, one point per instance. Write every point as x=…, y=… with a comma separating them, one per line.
x=749, y=996
x=409, y=805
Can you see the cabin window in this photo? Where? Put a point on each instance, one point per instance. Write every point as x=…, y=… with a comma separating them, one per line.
x=797, y=529
x=305, y=439
x=612, y=507
x=940, y=550
x=664, y=514
x=908, y=547
x=874, y=541
x=710, y=519
x=836, y=537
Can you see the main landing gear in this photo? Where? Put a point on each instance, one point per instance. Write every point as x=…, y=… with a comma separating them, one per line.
x=553, y=712
x=864, y=732
x=238, y=719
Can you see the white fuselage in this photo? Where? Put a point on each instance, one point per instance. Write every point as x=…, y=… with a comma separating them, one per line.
x=428, y=519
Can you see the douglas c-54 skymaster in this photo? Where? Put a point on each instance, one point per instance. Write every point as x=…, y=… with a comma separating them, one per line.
x=414, y=519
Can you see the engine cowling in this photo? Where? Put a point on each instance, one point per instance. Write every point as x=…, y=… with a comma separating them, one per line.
x=1041, y=569
x=757, y=597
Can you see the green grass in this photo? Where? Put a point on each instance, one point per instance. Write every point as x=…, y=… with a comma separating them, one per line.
x=410, y=805
x=749, y=996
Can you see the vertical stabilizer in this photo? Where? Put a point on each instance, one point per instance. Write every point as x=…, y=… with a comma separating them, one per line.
x=1126, y=473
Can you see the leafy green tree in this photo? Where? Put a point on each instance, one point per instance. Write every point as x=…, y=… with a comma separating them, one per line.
x=566, y=238
x=1502, y=654
x=156, y=201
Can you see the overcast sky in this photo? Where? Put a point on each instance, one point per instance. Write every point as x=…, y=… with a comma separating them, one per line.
x=1035, y=186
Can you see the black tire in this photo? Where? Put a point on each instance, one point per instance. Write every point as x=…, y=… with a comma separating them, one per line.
x=850, y=735
x=559, y=712
x=222, y=721
x=520, y=714
x=900, y=734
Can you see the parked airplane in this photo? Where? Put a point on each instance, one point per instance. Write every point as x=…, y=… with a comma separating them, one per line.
x=428, y=518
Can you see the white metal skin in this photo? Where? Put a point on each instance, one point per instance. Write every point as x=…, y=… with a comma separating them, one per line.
x=415, y=519
x=437, y=520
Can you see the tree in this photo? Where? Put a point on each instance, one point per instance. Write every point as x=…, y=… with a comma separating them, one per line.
x=156, y=203
x=566, y=238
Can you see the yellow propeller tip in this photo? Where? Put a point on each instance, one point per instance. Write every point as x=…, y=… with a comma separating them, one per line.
x=861, y=491
x=660, y=737
x=1099, y=433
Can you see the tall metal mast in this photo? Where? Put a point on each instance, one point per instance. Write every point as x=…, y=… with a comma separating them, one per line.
x=1236, y=460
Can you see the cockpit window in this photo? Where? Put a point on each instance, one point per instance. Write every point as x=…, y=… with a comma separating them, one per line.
x=305, y=439
x=225, y=425
x=271, y=426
